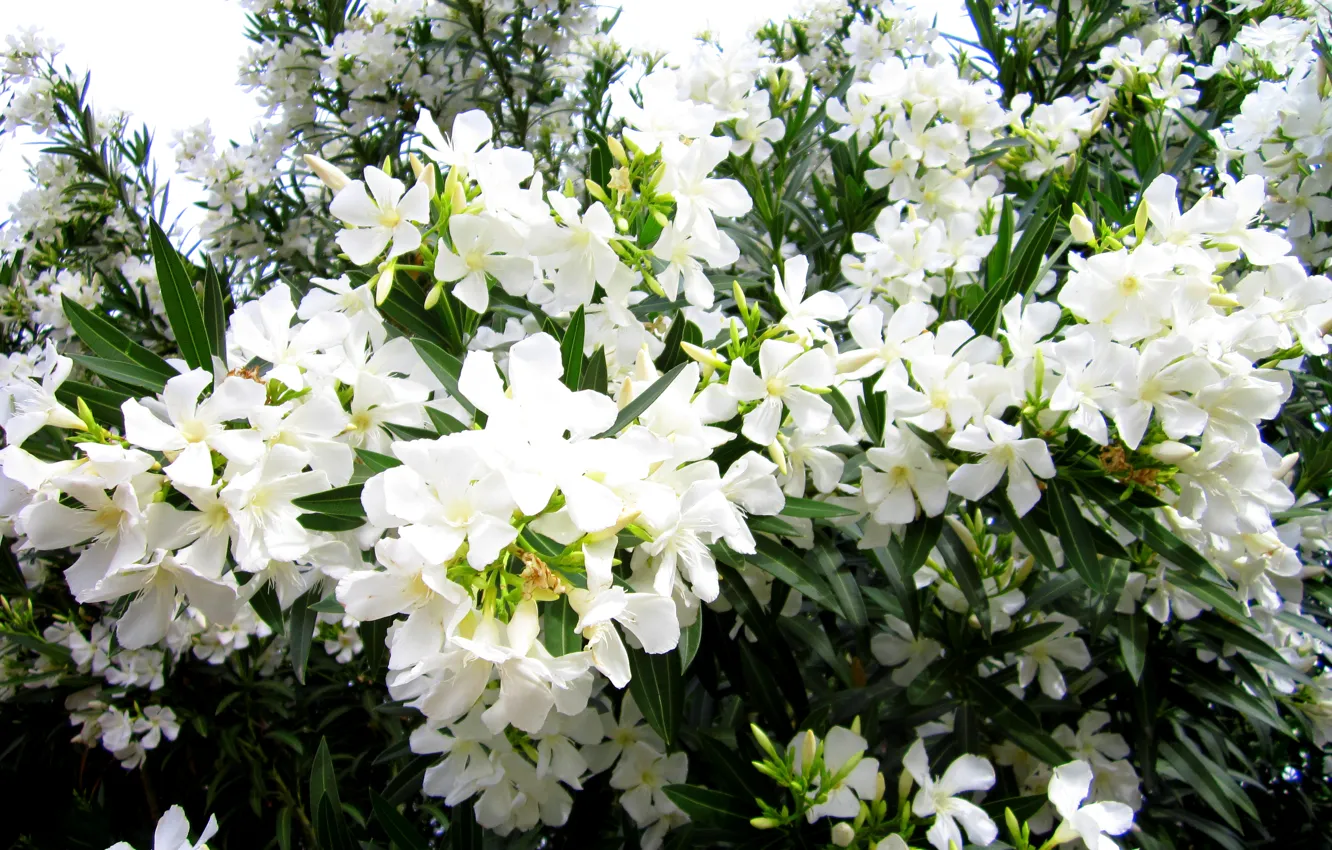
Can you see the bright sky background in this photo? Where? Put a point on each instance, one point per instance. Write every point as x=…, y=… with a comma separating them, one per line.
x=173, y=63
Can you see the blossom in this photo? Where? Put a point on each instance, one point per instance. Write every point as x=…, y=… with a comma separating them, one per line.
x=472, y=132
x=173, y=833
x=786, y=370
x=940, y=798
x=804, y=317
x=1005, y=451
x=483, y=247
x=1093, y=823
x=388, y=218
x=196, y=428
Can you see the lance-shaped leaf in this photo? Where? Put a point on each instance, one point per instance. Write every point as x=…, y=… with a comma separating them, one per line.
x=182, y=305
x=642, y=401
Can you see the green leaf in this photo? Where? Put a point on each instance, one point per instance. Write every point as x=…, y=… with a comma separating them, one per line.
x=571, y=350
x=658, y=689
x=1134, y=630
x=102, y=402
x=1028, y=533
x=464, y=832
x=1202, y=780
x=445, y=367
x=375, y=461
x=399, y=830
x=1028, y=256
x=182, y=305
x=215, y=312
x=643, y=401
x=328, y=605
x=106, y=341
x=716, y=809
x=329, y=522
x=444, y=423
x=827, y=560
x=340, y=501
x=778, y=561
x=690, y=637
x=558, y=619
x=122, y=371
x=1219, y=596
x=300, y=632
x=812, y=509
x=1143, y=527
x=324, y=792
x=958, y=560
x=266, y=604
x=771, y=525
x=594, y=375
x=406, y=783
x=1015, y=719
x=873, y=412
x=1075, y=536
x=846, y=417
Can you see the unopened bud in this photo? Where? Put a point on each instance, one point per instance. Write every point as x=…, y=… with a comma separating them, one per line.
x=1140, y=222
x=328, y=173
x=617, y=150
x=653, y=284
x=904, y=783
x=1223, y=299
x=621, y=224
x=880, y=785
x=1287, y=465
x=387, y=166
x=424, y=173
x=1081, y=228
x=1011, y=821
x=1171, y=452
x=1024, y=570
x=705, y=356
x=778, y=456
x=809, y=748
x=384, y=285
x=964, y=534
x=432, y=297
x=741, y=303
x=594, y=189
x=764, y=823
x=763, y=742
x=843, y=834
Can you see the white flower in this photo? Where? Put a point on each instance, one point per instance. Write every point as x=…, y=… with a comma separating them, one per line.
x=804, y=317
x=967, y=773
x=196, y=429
x=908, y=652
x=649, y=617
x=483, y=246
x=260, y=503
x=907, y=473
x=26, y=406
x=472, y=132
x=1005, y=450
x=786, y=370
x=1069, y=786
x=682, y=252
x=642, y=774
x=1039, y=658
x=840, y=747
x=386, y=219
x=173, y=833
x=699, y=197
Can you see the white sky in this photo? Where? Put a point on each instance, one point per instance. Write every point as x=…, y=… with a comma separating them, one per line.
x=173, y=63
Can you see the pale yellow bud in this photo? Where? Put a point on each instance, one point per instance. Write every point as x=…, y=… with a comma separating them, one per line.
x=328, y=173
x=809, y=748
x=1081, y=228
x=764, y=823
x=424, y=173
x=617, y=150
x=1171, y=452
x=843, y=834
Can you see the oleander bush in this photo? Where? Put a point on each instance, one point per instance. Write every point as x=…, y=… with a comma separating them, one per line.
x=853, y=435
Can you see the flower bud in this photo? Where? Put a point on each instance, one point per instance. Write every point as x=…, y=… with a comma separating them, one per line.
x=594, y=189
x=328, y=173
x=764, y=823
x=880, y=785
x=843, y=834
x=432, y=297
x=904, y=783
x=705, y=356
x=1171, y=452
x=424, y=173
x=617, y=150
x=809, y=748
x=964, y=534
x=1081, y=228
x=1140, y=222
x=1287, y=464
x=1011, y=821
x=778, y=456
